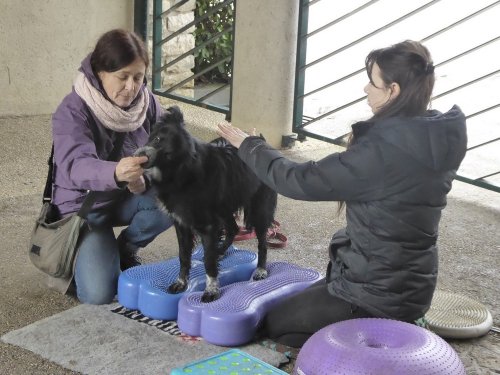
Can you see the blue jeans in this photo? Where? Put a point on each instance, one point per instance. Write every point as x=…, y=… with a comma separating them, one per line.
x=98, y=262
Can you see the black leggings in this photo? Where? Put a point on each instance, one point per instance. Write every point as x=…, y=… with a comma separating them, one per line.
x=292, y=321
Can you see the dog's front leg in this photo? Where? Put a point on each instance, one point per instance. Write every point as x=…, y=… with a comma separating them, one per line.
x=186, y=242
x=211, y=256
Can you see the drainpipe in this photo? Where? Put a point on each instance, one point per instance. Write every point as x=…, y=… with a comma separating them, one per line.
x=141, y=18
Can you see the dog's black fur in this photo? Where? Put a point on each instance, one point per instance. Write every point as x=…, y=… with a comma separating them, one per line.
x=202, y=185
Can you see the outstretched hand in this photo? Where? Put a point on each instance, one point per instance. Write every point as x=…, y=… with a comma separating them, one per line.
x=233, y=135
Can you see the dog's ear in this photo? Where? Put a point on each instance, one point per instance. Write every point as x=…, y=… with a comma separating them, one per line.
x=164, y=119
x=173, y=114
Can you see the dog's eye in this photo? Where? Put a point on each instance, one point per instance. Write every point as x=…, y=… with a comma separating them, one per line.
x=156, y=140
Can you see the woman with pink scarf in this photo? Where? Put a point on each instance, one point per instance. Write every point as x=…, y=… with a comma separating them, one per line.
x=96, y=129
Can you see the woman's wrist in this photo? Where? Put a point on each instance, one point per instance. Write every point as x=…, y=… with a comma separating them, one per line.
x=120, y=184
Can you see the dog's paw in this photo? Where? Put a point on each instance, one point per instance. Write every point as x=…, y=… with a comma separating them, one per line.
x=212, y=290
x=210, y=295
x=177, y=287
x=260, y=274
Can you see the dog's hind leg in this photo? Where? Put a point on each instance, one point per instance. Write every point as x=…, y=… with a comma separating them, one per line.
x=209, y=239
x=185, y=239
x=260, y=216
x=261, y=233
x=230, y=229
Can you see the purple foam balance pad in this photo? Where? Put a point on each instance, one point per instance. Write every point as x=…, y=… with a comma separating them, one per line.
x=233, y=319
x=377, y=346
x=145, y=287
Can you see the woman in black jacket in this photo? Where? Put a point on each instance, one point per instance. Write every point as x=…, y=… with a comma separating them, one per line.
x=393, y=178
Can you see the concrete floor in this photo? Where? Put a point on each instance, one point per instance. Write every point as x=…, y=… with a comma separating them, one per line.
x=469, y=240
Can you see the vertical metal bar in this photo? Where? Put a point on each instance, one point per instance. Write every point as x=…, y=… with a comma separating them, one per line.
x=157, y=47
x=228, y=114
x=300, y=73
x=141, y=18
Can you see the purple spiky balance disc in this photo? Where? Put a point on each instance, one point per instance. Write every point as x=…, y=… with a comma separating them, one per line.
x=145, y=287
x=233, y=318
x=378, y=347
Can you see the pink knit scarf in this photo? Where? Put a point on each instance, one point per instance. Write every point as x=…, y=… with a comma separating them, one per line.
x=109, y=114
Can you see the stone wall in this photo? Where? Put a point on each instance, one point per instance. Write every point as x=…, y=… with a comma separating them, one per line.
x=176, y=47
x=42, y=44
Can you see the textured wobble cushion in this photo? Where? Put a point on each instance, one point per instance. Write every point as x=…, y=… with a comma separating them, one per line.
x=455, y=316
x=233, y=318
x=145, y=287
x=378, y=347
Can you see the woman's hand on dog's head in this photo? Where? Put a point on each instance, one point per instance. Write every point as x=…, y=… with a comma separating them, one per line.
x=232, y=134
x=129, y=169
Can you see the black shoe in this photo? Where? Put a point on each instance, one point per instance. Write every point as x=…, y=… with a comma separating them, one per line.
x=128, y=254
x=129, y=260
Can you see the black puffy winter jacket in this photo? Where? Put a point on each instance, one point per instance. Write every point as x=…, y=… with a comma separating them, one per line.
x=394, y=179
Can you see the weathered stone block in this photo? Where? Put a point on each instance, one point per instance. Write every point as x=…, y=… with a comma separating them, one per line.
x=177, y=21
x=189, y=6
x=169, y=80
x=186, y=64
x=178, y=45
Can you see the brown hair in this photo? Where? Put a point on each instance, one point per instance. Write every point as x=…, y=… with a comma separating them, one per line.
x=409, y=64
x=116, y=49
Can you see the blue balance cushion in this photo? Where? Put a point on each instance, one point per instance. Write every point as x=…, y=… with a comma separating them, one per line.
x=145, y=287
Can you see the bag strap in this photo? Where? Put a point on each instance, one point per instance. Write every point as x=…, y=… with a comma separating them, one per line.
x=91, y=196
x=47, y=192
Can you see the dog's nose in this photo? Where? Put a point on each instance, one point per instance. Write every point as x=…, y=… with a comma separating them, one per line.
x=140, y=152
x=149, y=153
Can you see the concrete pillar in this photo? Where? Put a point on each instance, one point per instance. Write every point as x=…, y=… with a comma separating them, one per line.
x=264, y=67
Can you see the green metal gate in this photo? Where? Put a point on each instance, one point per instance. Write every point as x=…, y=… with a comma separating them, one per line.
x=215, y=96
x=463, y=37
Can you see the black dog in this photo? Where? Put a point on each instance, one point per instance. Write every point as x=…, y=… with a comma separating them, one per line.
x=203, y=185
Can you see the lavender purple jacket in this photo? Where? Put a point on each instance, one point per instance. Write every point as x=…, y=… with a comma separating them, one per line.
x=82, y=145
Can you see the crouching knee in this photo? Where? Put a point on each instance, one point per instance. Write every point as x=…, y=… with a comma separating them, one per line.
x=154, y=221
x=97, y=296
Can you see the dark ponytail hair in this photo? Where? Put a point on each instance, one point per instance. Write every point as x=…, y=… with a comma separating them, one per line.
x=409, y=64
x=116, y=49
